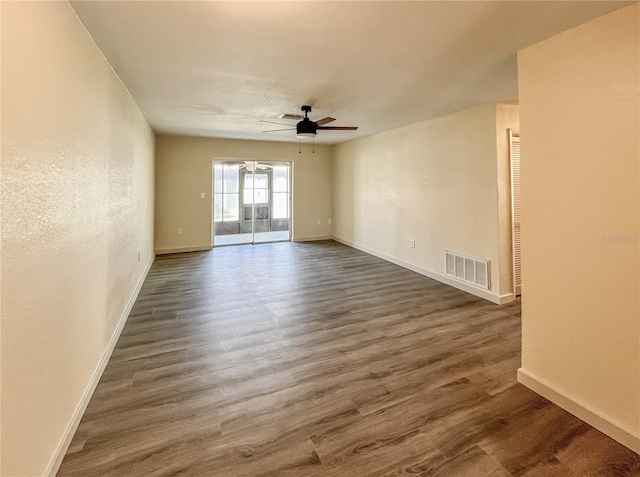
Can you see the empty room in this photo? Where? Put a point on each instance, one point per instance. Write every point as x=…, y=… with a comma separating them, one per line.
x=320, y=238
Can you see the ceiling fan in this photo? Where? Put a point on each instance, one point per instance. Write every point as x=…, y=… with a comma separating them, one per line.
x=249, y=165
x=306, y=127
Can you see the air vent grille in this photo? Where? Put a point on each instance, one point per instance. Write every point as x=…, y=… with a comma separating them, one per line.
x=467, y=269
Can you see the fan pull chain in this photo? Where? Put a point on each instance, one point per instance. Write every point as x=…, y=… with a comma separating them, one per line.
x=299, y=152
x=313, y=144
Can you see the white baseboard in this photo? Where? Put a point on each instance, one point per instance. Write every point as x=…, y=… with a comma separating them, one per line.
x=592, y=417
x=200, y=248
x=486, y=294
x=311, y=239
x=61, y=450
x=506, y=298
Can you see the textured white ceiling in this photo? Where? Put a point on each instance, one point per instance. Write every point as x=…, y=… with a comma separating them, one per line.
x=209, y=68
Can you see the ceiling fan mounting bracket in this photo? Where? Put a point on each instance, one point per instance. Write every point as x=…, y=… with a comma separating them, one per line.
x=306, y=109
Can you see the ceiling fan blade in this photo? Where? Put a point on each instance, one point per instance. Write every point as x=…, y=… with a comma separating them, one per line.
x=325, y=121
x=291, y=116
x=338, y=128
x=285, y=129
x=274, y=122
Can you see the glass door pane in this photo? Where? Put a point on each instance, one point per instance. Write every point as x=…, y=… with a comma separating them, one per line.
x=227, y=229
x=271, y=193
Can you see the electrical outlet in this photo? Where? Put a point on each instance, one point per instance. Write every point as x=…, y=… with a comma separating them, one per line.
x=179, y=230
x=202, y=195
x=329, y=221
x=412, y=243
x=318, y=222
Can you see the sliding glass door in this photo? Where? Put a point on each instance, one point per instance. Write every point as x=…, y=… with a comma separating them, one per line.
x=252, y=202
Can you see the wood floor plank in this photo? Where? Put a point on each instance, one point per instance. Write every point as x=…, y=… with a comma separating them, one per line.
x=470, y=463
x=401, y=456
x=593, y=453
x=319, y=360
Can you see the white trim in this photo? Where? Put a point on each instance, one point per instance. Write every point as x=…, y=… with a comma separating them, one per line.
x=63, y=445
x=591, y=416
x=506, y=298
x=311, y=239
x=487, y=295
x=200, y=248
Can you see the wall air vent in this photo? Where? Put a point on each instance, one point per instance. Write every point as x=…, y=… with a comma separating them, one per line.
x=467, y=269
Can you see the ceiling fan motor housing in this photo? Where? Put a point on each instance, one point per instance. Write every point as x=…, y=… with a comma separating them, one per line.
x=306, y=126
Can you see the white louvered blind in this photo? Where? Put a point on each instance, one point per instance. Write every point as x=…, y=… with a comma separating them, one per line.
x=515, y=207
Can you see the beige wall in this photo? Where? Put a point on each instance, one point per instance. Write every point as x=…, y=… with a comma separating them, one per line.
x=184, y=171
x=580, y=125
x=77, y=208
x=435, y=182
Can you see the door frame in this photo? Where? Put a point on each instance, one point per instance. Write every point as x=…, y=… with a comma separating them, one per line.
x=221, y=160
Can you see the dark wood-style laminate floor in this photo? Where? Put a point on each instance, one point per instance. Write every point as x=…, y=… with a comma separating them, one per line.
x=319, y=360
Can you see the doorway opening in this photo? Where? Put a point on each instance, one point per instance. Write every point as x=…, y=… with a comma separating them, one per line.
x=251, y=202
